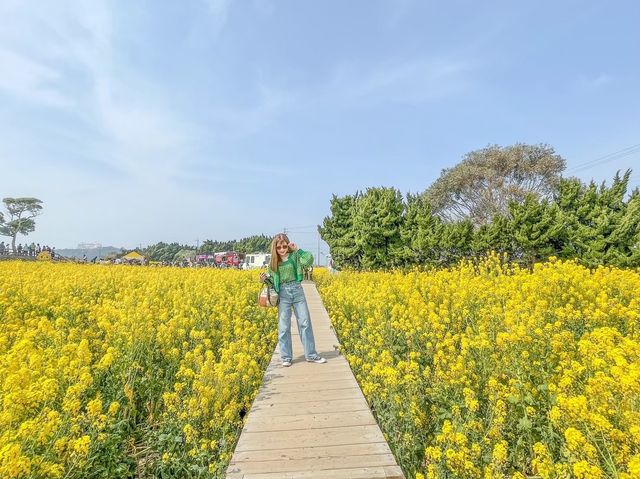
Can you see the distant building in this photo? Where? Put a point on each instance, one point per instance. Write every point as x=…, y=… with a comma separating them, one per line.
x=89, y=246
x=134, y=257
x=256, y=260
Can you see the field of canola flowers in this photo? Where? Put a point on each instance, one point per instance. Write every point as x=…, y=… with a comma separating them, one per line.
x=498, y=372
x=118, y=371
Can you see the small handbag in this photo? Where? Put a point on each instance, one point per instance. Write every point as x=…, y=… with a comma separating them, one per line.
x=268, y=296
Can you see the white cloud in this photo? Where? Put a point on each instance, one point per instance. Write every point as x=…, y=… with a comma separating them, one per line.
x=30, y=80
x=412, y=81
x=137, y=132
x=233, y=122
x=64, y=55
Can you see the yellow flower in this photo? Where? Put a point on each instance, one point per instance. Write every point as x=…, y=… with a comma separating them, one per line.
x=584, y=470
x=81, y=445
x=530, y=349
x=94, y=407
x=500, y=452
x=114, y=407
x=633, y=466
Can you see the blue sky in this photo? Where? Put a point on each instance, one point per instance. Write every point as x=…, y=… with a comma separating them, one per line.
x=138, y=122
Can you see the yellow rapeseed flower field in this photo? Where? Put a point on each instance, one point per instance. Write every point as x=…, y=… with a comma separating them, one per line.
x=119, y=371
x=491, y=371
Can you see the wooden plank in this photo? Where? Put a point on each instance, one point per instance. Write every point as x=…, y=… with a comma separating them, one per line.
x=293, y=453
x=288, y=398
x=316, y=464
x=312, y=407
x=355, y=473
x=311, y=386
x=334, y=361
x=333, y=358
x=393, y=472
x=306, y=370
x=304, y=378
x=317, y=437
x=310, y=421
x=298, y=355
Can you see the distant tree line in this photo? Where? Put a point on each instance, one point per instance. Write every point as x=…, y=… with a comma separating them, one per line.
x=510, y=200
x=251, y=244
x=175, y=251
x=162, y=251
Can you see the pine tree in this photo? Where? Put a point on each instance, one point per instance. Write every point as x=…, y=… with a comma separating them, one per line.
x=495, y=236
x=338, y=232
x=377, y=220
x=455, y=241
x=419, y=232
x=536, y=229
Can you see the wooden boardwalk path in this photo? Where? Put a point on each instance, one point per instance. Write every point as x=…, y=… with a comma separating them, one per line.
x=311, y=421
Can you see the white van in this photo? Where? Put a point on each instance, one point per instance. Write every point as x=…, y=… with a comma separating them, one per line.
x=256, y=260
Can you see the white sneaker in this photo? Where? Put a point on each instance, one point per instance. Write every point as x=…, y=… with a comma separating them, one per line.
x=318, y=360
x=286, y=363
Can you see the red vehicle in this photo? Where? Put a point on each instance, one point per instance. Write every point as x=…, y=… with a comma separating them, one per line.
x=228, y=259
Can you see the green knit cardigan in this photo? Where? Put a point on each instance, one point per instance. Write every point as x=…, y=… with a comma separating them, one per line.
x=302, y=260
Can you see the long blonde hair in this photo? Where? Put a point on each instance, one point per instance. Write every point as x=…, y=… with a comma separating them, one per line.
x=275, y=259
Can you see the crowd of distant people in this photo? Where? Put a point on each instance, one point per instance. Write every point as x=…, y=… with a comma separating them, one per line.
x=33, y=249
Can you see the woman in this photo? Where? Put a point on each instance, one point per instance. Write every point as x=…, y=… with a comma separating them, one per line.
x=287, y=270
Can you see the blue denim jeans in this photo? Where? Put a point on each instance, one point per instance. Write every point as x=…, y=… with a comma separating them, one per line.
x=292, y=296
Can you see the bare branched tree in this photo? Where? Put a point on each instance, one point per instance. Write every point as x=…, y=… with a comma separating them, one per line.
x=483, y=184
x=22, y=212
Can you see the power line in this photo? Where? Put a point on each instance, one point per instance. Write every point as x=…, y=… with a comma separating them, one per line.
x=289, y=228
x=299, y=230
x=616, y=155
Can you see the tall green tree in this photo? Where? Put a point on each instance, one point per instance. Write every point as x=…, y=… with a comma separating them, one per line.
x=486, y=181
x=339, y=232
x=611, y=238
x=250, y=244
x=574, y=210
x=419, y=232
x=598, y=221
x=163, y=251
x=455, y=242
x=214, y=246
x=627, y=234
x=377, y=220
x=254, y=244
x=22, y=212
x=496, y=236
x=596, y=225
x=184, y=254
x=537, y=228
x=167, y=251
